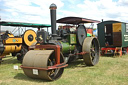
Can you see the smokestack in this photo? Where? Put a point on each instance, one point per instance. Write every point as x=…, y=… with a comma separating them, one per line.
x=53, y=8
x=102, y=20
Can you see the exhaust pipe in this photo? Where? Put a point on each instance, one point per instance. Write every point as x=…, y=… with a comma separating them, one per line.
x=53, y=8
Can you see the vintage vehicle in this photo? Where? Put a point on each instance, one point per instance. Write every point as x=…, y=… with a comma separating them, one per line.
x=113, y=37
x=17, y=45
x=47, y=59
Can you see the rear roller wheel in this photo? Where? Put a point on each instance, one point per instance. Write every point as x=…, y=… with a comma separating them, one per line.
x=42, y=59
x=91, y=46
x=23, y=51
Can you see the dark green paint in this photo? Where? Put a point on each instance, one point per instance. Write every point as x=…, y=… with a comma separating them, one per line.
x=124, y=35
x=101, y=33
x=4, y=23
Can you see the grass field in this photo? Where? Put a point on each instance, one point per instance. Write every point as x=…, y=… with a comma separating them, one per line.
x=109, y=71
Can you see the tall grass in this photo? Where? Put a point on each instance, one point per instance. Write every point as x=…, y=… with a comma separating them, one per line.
x=109, y=71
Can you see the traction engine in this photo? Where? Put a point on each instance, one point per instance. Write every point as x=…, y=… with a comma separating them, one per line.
x=47, y=59
x=16, y=45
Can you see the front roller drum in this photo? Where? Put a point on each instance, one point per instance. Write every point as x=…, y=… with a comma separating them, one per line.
x=39, y=61
x=91, y=47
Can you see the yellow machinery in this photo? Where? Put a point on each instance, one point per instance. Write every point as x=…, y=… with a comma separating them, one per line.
x=17, y=45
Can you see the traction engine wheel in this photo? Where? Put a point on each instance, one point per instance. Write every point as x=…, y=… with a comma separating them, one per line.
x=29, y=38
x=91, y=46
x=23, y=51
x=42, y=59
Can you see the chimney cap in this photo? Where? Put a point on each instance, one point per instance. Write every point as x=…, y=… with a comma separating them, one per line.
x=53, y=6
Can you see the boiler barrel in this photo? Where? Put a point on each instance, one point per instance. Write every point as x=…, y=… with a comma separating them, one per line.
x=6, y=49
x=67, y=48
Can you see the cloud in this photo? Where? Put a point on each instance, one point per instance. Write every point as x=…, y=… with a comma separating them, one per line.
x=31, y=11
x=94, y=9
x=37, y=11
x=105, y=9
x=123, y=2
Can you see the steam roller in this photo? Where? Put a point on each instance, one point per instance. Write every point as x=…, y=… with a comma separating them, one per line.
x=52, y=52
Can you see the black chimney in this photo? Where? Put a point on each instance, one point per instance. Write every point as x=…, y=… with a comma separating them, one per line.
x=102, y=20
x=53, y=8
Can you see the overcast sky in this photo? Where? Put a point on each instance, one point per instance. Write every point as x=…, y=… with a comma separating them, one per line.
x=37, y=11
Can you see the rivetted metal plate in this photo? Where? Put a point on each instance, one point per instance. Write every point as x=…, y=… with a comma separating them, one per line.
x=91, y=46
x=81, y=34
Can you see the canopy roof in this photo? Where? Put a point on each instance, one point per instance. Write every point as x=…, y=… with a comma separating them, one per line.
x=21, y=24
x=76, y=20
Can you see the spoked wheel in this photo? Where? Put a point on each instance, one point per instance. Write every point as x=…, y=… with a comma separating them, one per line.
x=55, y=73
x=93, y=50
x=91, y=46
x=42, y=59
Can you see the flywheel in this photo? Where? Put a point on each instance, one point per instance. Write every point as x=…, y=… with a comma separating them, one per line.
x=42, y=59
x=29, y=37
x=81, y=34
x=91, y=47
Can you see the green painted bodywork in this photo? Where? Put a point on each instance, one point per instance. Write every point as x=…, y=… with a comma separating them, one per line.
x=101, y=33
x=72, y=39
x=21, y=24
x=124, y=35
x=66, y=47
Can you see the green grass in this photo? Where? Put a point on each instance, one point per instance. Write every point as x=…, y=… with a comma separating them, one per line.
x=109, y=71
